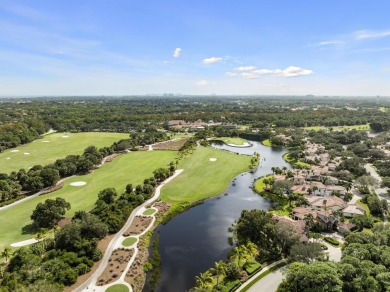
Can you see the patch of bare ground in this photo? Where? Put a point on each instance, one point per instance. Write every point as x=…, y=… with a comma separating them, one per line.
x=116, y=266
x=162, y=207
x=170, y=145
x=136, y=276
x=139, y=224
x=102, y=245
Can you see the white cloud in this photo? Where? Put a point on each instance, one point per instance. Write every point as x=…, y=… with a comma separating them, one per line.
x=212, y=60
x=327, y=43
x=230, y=74
x=293, y=71
x=370, y=34
x=177, y=52
x=245, y=68
x=202, y=83
x=249, y=75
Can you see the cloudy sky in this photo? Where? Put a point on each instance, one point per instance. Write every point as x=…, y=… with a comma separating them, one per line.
x=92, y=47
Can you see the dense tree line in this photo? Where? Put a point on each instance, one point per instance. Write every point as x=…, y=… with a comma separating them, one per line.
x=365, y=266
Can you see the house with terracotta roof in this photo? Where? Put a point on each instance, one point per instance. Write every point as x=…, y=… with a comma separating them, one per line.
x=353, y=210
x=329, y=203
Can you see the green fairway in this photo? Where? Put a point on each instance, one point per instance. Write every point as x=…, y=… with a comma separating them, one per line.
x=266, y=142
x=364, y=127
x=117, y=288
x=149, y=212
x=230, y=140
x=203, y=178
x=52, y=147
x=132, y=168
x=129, y=241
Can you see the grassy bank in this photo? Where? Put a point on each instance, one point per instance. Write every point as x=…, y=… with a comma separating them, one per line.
x=203, y=178
x=295, y=162
x=231, y=140
x=52, y=147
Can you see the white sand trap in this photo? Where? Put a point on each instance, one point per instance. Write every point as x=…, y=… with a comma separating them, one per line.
x=8, y=158
x=45, y=141
x=213, y=159
x=15, y=150
x=65, y=136
x=24, y=242
x=78, y=183
x=26, y=153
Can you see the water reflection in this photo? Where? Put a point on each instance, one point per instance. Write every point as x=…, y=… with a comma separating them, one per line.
x=193, y=241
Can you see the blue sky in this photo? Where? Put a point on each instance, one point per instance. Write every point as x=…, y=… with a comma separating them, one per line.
x=72, y=47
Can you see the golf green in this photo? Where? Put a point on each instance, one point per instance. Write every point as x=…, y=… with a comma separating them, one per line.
x=132, y=168
x=51, y=147
x=129, y=241
x=117, y=288
x=207, y=172
x=149, y=212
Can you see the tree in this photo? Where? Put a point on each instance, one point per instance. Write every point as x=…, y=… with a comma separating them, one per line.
x=204, y=280
x=367, y=181
x=318, y=276
x=47, y=214
x=108, y=195
x=6, y=253
x=220, y=269
x=129, y=188
x=307, y=253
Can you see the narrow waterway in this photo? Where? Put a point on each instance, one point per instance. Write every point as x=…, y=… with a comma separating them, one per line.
x=193, y=241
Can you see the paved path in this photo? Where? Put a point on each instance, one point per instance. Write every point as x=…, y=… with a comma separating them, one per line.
x=90, y=283
x=268, y=282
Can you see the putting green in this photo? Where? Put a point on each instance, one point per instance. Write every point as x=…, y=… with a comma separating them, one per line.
x=129, y=241
x=231, y=140
x=52, y=147
x=149, y=212
x=201, y=178
x=132, y=168
x=117, y=288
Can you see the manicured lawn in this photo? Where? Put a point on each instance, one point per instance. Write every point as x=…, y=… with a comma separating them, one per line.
x=364, y=206
x=364, y=127
x=117, y=288
x=295, y=162
x=231, y=140
x=129, y=241
x=52, y=147
x=149, y=212
x=132, y=168
x=203, y=178
x=266, y=142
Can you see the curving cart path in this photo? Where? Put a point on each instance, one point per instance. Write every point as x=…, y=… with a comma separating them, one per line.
x=90, y=283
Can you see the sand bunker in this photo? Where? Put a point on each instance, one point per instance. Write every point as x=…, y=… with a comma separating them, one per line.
x=8, y=158
x=26, y=153
x=45, y=141
x=65, y=136
x=213, y=159
x=78, y=183
x=14, y=150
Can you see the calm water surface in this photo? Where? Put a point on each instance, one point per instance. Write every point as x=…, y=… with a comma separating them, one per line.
x=193, y=241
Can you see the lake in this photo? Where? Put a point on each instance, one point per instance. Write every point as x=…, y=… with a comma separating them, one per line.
x=193, y=241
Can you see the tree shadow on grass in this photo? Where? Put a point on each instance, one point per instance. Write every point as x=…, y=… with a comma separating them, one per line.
x=30, y=229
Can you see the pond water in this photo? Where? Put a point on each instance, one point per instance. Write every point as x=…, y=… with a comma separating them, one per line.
x=193, y=241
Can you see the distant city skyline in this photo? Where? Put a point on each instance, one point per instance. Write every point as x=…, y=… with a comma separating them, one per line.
x=60, y=48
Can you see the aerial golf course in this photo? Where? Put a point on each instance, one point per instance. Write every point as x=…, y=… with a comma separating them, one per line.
x=207, y=172
x=52, y=147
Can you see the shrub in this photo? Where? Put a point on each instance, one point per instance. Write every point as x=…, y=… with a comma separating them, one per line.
x=331, y=240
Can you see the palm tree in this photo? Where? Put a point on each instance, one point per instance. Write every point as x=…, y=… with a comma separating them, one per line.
x=6, y=253
x=220, y=269
x=309, y=220
x=204, y=280
x=252, y=249
x=235, y=255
